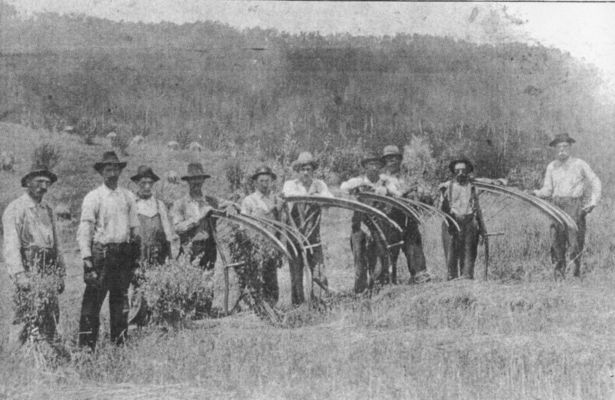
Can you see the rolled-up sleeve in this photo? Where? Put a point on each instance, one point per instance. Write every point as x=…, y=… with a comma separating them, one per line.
x=323, y=190
x=594, y=183
x=86, y=225
x=246, y=206
x=547, y=186
x=12, y=246
x=350, y=184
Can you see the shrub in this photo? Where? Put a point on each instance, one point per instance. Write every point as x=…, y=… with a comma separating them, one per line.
x=177, y=292
x=183, y=137
x=46, y=155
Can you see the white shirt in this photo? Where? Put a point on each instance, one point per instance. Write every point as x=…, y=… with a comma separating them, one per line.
x=151, y=207
x=259, y=205
x=106, y=217
x=380, y=186
x=294, y=187
x=27, y=223
x=569, y=179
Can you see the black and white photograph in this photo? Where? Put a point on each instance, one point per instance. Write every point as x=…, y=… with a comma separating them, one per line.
x=307, y=200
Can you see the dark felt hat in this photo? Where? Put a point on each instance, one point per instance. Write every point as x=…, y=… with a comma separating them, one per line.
x=468, y=163
x=263, y=170
x=109, y=158
x=144, y=172
x=38, y=172
x=195, y=171
x=560, y=138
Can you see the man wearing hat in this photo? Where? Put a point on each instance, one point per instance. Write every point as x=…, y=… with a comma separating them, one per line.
x=413, y=242
x=109, y=243
x=32, y=254
x=158, y=239
x=366, y=250
x=566, y=181
x=307, y=217
x=190, y=215
x=265, y=204
x=459, y=198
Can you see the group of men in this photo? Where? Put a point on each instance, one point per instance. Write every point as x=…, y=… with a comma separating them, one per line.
x=118, y=229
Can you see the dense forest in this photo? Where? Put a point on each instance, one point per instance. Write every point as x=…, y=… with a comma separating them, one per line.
x=275, y=92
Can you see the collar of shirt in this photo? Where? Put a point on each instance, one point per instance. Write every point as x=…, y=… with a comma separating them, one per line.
x=28, y=202
x=147, y=207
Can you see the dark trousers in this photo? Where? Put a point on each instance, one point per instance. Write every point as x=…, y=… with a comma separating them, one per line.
x=315, y=260
x=367, y=250
x=461, y=248
x=559, y=235
x=207, y=250
x=307, y=219
x=412, y=246
x=115, y=269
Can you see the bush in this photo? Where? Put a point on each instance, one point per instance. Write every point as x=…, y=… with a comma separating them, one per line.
x=46, y=155
x=177, y=292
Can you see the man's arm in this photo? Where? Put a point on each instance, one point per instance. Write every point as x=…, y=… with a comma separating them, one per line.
x=547, y=186
x=350, y=185
x=595, y=185
x=323, y=189
x=85, y=233
x=12, y=242
x=181, y=224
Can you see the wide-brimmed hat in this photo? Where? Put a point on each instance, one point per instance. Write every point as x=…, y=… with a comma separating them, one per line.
x=34, y=172
x=371, y=157
x=391, y=150
x=195, y=171
x=109, y=158
x=305, y=158
x=263, y=170
x=468, y=163
x=560, y=138
x=144, y=172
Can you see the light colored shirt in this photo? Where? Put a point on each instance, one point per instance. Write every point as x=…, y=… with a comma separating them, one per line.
x=569, y=179
x=27, y=224
x=187, y=216
x=294, y=187
x=461, y=199
x=152, y=207
x=106, y=217
x=396, y=185
x=379, y=187
x=259, y=205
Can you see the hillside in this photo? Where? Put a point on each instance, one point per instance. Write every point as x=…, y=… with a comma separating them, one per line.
x=272, y=92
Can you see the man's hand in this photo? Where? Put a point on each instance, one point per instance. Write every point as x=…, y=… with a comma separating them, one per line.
x=61, y=285
x=231, y=210
x=206, y=212
x=381, y=190
x=90, y=277
x=587, y=209
x=21, y=281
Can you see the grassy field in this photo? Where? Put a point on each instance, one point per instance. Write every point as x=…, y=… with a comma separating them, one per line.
x=517, y=336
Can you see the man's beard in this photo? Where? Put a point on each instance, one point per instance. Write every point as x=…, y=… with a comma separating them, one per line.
x=463, y=179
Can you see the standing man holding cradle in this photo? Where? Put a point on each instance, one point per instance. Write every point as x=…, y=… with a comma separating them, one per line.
x=31, y=251
x=565, y=183
x=109, y=245
x=413, y=241
x=459, y=198
x=307, y=218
